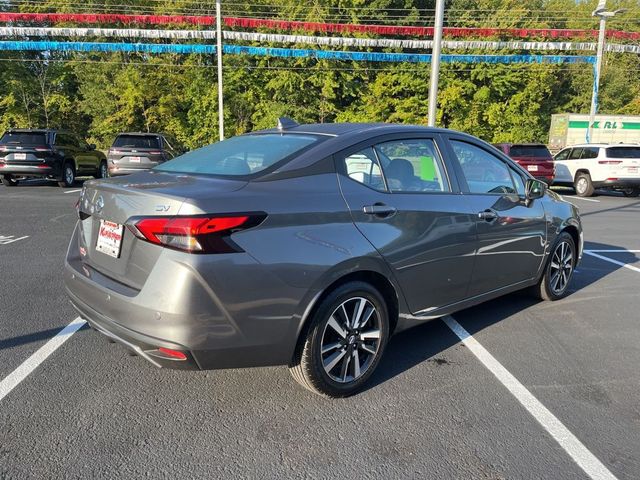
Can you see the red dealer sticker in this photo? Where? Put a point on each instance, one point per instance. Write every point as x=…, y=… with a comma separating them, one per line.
x=109, y=238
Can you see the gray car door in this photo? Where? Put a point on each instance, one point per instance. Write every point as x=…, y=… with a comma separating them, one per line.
x=511, y=232
x=405, y=203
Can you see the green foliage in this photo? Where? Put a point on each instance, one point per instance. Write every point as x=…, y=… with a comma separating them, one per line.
x=100, y=95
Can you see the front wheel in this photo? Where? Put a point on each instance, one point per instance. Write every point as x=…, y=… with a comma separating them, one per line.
x=344, y=342
x=559, y=269
x=631, y=192
x=583, y=185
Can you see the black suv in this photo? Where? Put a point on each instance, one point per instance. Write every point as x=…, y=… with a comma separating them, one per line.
x=134, y=152
x=51, y=154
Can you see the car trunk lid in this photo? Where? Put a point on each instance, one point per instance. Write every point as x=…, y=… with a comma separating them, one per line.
x=105, y=207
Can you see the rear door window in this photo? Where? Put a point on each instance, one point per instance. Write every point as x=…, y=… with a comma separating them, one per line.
x=575, y=154
x=412, y=165
x=589, y=152
x=24, y=138
x=623, y=152
x=136, y=141
x=484, y=172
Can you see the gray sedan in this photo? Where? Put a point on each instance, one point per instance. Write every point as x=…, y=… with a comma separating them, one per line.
x=310, y=245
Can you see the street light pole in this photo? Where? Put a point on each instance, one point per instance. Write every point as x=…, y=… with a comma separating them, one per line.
x=219, y=58
x=435, y=63
x=602, y=14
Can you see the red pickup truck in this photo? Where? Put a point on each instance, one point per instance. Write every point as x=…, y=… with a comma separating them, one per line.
x=535, y=157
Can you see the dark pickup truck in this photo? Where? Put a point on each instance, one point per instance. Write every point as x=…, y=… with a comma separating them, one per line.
x=51, y=154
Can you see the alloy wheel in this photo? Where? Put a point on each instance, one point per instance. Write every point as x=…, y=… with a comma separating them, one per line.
x=351, y=340
x=581, y=185
x=68, y=175
x=561, y=267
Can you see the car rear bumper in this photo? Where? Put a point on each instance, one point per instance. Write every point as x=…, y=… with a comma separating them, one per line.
x=115, y=171
x=42, y=170
x=548, y=179
x=229, y=315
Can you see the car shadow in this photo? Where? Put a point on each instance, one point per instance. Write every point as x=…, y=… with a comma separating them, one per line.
x=425, y=342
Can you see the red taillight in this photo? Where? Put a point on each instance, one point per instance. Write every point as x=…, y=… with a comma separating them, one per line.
x=609, y=162
x=174, y=354
x=155, y=153
x=193, y=234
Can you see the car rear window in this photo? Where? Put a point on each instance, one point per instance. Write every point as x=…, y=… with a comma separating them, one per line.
x=623, y=152
x=24, y=138
x=533, y=151
x=243, y=155
x=136, y=141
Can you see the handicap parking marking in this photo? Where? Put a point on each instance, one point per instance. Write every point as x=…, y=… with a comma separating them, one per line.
x=7, y=239
x=31, y=363
x=586, y=460
x=611, y=260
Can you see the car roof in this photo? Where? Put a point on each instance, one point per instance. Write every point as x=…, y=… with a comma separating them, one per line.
x=522, y=144
x=602, y=145
x=31, y=130
x=140, y=134
x=339, y=129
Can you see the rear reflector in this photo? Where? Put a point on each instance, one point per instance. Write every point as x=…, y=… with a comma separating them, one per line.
x=174, y=354
x=612, y=179
x=155, y=153
x=202, y=234
x=42, y=149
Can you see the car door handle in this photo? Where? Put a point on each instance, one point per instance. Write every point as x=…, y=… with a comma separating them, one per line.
x=379, y=209
x=488, y=215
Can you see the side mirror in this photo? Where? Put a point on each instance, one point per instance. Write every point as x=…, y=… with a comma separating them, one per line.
x=534, y=189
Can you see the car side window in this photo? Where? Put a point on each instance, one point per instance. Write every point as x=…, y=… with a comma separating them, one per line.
x=484, y=172
x=575, y=154
x=563, y=155
x=363, y=167
x=589, y=152
x=412, y=165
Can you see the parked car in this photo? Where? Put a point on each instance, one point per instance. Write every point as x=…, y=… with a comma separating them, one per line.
x=53, y=154
x=135, y=152
x=590, y=166
x=534, y=157
x=309, y=245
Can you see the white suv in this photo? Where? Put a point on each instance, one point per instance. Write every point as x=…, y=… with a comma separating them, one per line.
x=590, y=166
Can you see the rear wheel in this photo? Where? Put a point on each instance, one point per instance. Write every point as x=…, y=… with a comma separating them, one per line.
x=559, y=269
x=583, y=185
x=631, y=192
x=68, y=175
x=8, y=181
x=344, y=342
x=103, y=171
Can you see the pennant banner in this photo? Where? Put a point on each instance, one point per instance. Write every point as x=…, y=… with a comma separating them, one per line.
x=308, y=26
x=308, y=40
x=286, y=52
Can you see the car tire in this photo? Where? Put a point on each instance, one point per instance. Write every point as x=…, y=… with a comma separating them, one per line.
x=103, y=170
x=336, y=355
x=68, y=175
x=631, y=192
x=583, y=185
x=558, y=270
x=7, y=181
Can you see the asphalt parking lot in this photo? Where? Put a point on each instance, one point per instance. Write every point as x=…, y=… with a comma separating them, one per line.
x=433, y=410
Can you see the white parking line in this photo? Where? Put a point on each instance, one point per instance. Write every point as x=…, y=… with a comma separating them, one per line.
x=30, y=364
x=73, y=191
x=586, y=199
x=618, y=250
x=611, y=260
x=6, y=240
x=586, y=460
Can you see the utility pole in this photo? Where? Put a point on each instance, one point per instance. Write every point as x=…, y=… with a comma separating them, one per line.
x=435, y=63
x=602, y=14
x=219, y=55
